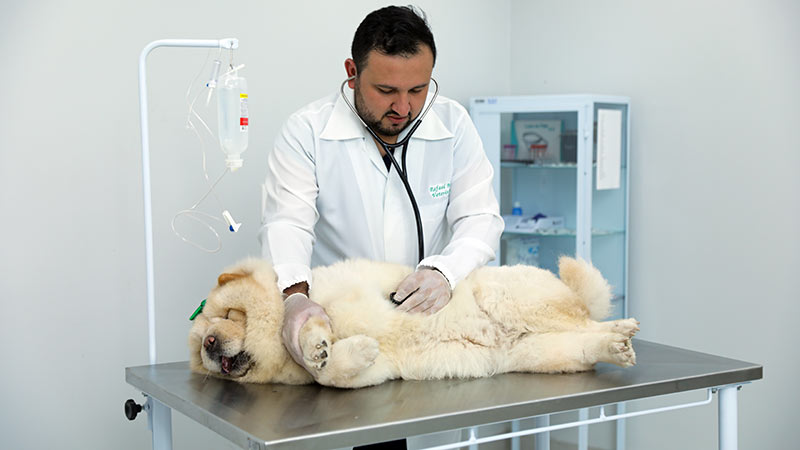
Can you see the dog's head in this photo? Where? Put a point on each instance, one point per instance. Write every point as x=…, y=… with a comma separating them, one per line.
x=221, y=341
x=217, y=344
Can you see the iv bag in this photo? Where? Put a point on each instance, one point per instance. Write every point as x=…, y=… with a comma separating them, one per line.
x=233, y=117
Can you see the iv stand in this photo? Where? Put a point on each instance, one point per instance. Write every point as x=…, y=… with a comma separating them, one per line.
x=159, y=415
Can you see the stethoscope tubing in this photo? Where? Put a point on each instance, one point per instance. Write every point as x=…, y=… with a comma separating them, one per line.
x=388, y=148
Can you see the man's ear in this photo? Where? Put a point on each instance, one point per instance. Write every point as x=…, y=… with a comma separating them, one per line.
x=352, y=71
x=228, y=277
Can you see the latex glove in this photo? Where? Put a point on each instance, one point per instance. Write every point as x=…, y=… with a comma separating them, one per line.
x=298, y=308
x=425, y=291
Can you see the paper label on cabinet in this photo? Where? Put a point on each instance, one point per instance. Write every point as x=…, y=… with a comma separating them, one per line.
x=609, y=148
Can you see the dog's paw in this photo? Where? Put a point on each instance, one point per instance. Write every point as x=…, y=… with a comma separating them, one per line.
x=626, y=327
x=351, y=362
x=621, y=350
x=356, y=353
x=316, y=354
x=315, y=343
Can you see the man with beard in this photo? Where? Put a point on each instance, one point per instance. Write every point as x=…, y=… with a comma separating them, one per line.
x=331, y=192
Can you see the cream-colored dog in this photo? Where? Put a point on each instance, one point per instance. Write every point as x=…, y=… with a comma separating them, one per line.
x=500, y=319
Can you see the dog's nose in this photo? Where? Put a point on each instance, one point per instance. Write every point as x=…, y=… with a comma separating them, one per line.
x=210, y=343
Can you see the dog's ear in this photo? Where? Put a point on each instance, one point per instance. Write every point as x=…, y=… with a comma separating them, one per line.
x=228, y=277
x=236, y=315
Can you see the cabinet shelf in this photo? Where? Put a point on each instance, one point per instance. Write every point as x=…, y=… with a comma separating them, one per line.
x=512, y=164
x=531, y=164
x=563, y=232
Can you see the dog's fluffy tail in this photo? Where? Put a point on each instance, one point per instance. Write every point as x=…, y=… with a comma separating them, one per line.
x=586, y=281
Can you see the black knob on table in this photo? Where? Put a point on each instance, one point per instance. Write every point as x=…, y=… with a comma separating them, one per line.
x=132, y=409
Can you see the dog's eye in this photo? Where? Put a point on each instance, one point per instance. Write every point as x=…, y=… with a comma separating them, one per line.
x=235, y=315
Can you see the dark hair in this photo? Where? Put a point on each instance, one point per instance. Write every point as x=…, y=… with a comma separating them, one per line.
x=393, y=30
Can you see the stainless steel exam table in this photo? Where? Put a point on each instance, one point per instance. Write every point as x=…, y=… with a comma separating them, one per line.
x=316, y=417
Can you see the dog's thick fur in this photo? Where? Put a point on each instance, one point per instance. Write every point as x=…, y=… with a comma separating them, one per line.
x=500, y=319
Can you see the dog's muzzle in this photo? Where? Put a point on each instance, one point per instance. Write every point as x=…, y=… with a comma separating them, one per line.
x=228, y=364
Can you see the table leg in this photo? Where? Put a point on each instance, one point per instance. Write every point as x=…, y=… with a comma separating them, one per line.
x=159, y=417
x=583, y=430
x=620, y=437
x=542, y=439
x=515, y=439
x=728, y=418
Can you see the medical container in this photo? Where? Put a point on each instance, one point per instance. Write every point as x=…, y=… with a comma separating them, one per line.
x=233, y=117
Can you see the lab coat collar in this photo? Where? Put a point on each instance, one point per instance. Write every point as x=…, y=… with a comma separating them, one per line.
x=344, y=125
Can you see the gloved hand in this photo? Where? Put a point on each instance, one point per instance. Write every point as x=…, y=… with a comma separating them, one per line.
x=298, y=308
x=425, y=291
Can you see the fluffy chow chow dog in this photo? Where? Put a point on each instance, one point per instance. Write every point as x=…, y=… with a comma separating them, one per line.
x=500, y=319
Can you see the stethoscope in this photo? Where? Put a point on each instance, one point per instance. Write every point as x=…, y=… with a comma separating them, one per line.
x=388, y=148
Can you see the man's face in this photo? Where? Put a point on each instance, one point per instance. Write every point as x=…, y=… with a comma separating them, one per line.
x=390, y=91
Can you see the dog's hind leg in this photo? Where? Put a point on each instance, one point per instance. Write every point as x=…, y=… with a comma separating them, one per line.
x=627, y=327
x=568, y=352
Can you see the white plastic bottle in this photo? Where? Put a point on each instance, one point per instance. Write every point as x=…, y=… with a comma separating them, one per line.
x=233, y=118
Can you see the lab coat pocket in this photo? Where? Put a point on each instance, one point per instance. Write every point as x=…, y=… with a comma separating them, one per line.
x=434, y=223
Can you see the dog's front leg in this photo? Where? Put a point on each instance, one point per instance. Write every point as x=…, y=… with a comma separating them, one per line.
x=315, y=343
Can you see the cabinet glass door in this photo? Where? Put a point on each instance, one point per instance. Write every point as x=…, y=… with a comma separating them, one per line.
x=539, y=175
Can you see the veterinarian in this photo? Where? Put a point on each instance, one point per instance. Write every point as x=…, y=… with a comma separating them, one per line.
x=331, y=192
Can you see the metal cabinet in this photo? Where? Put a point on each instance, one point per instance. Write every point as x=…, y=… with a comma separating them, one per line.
x=565, y=157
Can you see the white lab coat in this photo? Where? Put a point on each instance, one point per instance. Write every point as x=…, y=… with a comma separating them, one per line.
x=328, y=195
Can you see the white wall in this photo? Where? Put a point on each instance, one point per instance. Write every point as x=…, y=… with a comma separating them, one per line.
x=72, y=259
x=714, y=201
x=715, y=190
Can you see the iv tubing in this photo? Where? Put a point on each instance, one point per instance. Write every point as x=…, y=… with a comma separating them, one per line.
x=229, y=43
x=192, y=213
